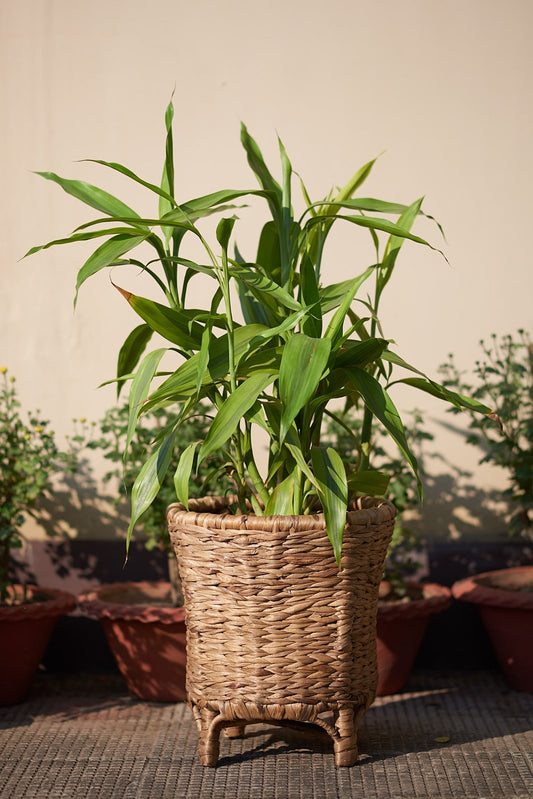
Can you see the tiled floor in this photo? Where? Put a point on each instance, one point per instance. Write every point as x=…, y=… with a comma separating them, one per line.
x=449, y=735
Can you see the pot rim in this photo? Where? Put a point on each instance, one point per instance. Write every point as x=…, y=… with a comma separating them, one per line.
x=60, y=603
x=473, y=589
x=436, y=599
x=92, y=604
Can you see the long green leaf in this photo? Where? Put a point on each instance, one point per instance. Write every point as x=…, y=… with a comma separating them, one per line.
x=262, y=287
x=167, y=179
x=424, y=383
x=281, y=500
x=183, y=472
x=130, y=352
x=91, y=195
x=175, y=326
x=335, y=327
x=380, y=404
x=368, y=483
x=302, y=364
x=139, y=391
x=182, y=383
x=360, y=353
x=437, y=390
x=149, y=481
x=332, y=296
x=260, y=169
x=106, y=255
x=329, y=471
x=384, y=225
x=232, y=411
x=88, y=236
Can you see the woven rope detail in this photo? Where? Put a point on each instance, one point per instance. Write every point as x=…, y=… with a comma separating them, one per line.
x=270, y=618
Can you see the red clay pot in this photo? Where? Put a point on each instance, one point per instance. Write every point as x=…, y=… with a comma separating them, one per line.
x=146, y=636
x=400, y=628
x=505, y=601
x=24, y=632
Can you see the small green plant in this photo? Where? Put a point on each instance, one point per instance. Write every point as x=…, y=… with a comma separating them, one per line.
x=343, y=434
x=29, y=456
x=304, y=343
x=503, y=377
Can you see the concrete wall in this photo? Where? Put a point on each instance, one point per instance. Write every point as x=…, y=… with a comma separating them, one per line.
x=443, y=89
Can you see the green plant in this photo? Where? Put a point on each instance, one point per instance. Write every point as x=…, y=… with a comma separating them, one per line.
x=503, y=377
x=29, y=456
x=303, y=344
x=343, y=433
x=111, y=441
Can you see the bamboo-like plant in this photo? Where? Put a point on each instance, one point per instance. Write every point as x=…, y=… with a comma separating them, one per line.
x=304, y=345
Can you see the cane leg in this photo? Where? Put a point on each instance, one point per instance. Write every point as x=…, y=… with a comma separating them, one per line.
x=345, y=744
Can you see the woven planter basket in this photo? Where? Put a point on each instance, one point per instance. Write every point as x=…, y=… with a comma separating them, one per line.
x=275, y=632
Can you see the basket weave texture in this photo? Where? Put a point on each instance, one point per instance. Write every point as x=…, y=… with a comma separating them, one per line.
x=275, y=632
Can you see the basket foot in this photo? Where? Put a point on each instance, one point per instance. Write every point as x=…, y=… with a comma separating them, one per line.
x=235, y=731
x=345, y=742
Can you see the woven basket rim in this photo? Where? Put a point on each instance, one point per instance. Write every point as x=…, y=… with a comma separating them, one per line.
x=214, y=513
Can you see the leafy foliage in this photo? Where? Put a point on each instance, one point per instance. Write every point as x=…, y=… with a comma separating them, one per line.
x=302, y=346
x=111, y=441
x=29, y=456
x=343, y=432
x=503, y=377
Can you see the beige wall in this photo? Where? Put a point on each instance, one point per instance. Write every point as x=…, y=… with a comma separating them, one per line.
x=444, y=88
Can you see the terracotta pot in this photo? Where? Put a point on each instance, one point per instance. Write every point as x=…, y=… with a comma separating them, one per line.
x=400, y=629
x=24, y=632
x=146, y=636
x=505, y=601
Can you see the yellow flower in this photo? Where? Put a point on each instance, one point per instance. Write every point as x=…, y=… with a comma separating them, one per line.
x=3, y=369
x=39, y=428
x=83, y=419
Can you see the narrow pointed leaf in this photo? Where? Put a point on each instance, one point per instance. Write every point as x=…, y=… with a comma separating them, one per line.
x=368, y=483
x=91, y=195
x=183, y=473
x=329, y=471
x=88, y=236
x=182, y=383
x=302, y=364
x=107, y=254
x=281, y=501
x=174, y=325
x=140, y=389
x=332, y=296
x=262, y=287
x=442, y=393
x=232, y=411
x=381, y=405
x=335, y=327
x=130, y=352
x=149, y=481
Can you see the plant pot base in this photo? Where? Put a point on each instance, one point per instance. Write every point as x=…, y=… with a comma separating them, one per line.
x=147, y=639
x=25, y=631
x=506, y=607
x=400, y=630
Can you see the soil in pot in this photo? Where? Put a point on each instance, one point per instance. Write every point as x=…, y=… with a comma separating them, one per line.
x=146, y=636
x=401, y=626
x=505, y=602
x=25, y=630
